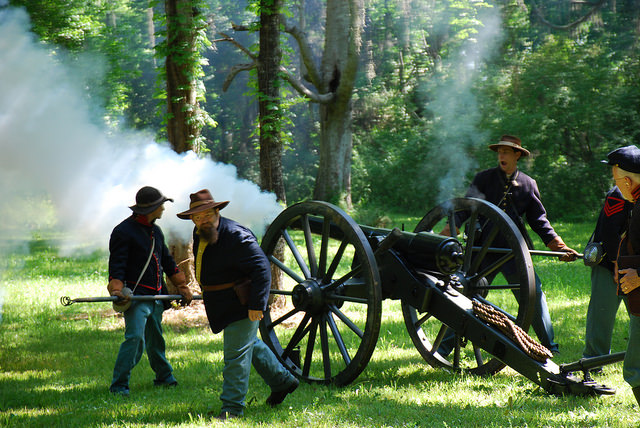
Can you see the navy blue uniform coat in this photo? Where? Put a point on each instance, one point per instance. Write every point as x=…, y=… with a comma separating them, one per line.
x=129, y=248
x=517, y=198
x=236, y=256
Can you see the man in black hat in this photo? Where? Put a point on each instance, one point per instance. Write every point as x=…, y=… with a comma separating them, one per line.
x=235, y=277
x=138, y=258
x=626, y=174
x=517, y=195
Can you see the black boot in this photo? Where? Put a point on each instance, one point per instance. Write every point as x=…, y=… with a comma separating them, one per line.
x=636, y=392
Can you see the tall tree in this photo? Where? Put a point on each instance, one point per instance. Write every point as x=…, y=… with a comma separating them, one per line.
x=270, y=116
x=185, y=28
x=333, y=83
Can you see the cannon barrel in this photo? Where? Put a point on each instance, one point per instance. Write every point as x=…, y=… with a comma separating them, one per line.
x=424, y=250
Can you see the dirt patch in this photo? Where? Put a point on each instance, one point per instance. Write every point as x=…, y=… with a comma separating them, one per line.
x=190, y=316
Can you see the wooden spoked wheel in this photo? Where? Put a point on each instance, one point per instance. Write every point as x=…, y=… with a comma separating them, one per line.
x=492, y=243
x=328, y=326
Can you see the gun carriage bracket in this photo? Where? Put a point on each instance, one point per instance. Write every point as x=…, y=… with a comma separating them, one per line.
x=335, y=274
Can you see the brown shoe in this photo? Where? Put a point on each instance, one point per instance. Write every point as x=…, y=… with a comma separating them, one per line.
x=278, y=397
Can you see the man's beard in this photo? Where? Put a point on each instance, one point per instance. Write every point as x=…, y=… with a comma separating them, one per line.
x=208, y=233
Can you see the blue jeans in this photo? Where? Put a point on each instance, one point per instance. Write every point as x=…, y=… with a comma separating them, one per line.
x=143, y=330
x=601, y=314
x=241, y=349
x=541, y=323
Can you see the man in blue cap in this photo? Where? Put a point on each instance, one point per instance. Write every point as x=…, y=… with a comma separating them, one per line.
x=626, y=173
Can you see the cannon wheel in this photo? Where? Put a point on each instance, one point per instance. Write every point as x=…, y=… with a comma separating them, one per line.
x=328, y=326
x=426, y=332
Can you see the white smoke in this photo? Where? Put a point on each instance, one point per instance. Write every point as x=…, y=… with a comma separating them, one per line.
x=51, y=150
x=456, y=109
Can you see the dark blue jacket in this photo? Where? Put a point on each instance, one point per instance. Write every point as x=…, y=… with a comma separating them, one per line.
x=611, y=225
x=630, y=245
x=129, y=248
x=518, y=197
x=236, y=256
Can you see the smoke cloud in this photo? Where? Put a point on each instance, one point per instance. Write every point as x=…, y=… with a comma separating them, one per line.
x=54, y=155
x=455, y=107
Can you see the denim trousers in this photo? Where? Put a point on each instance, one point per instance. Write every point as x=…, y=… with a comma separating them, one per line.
x=143, y=330
x=541, y=323
x=242, y=348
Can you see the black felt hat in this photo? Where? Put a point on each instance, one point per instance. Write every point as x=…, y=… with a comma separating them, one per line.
x=148, y=199
x=626, y=158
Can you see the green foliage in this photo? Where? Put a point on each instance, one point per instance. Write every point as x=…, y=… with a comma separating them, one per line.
x=431, y=87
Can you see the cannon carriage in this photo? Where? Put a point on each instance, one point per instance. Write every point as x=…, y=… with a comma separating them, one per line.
x=335, y=274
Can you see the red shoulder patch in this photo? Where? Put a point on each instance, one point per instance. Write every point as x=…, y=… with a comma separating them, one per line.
x=613, y=206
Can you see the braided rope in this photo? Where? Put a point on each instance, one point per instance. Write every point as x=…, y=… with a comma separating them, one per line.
x=491, y=315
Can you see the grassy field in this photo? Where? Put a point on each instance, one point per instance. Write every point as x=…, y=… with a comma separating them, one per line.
x=56, y=363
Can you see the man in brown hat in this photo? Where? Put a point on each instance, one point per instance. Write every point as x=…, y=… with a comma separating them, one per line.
x=235, y=277
x=138, y=258
x=517, y=195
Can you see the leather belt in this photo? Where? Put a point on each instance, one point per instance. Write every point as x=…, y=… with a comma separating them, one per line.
x=217, y=287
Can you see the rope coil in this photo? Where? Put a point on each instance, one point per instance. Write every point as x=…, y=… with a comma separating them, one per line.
x=492, y=316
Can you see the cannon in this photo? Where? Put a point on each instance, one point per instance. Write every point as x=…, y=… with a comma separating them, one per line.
x=334, y=274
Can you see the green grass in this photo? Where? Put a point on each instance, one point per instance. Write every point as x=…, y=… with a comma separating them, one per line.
x=56, y=364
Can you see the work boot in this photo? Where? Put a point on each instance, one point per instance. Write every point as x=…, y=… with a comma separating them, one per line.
x=277, y=397
x=636, y=392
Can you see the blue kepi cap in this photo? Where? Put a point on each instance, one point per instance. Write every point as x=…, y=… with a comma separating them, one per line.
x=627, y=158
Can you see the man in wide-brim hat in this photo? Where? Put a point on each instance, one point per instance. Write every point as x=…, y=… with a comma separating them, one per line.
x=510, y=141
x=235, y=277
x=517, y=195
x=201, y=201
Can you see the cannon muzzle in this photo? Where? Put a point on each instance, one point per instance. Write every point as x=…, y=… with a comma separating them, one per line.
x=424, y=250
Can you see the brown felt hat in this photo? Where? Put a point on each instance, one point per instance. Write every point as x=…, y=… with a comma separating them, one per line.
x=148, y=199
x=201, y=201
x=510, y=141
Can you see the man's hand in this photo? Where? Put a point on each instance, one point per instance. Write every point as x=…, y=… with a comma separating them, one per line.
x=629, y=280
x=115, y=289
x=255, y=315
x=180, y=281
x=557, y=244
x=187, y=295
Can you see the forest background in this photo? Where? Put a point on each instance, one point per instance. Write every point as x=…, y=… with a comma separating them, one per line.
x=436, y=82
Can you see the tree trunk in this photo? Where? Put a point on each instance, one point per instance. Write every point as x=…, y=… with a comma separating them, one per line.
x=269, y=58
x=151, y=32
x=183, y=128
x=344, y=22
x=270, y=117
x=182, y=104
